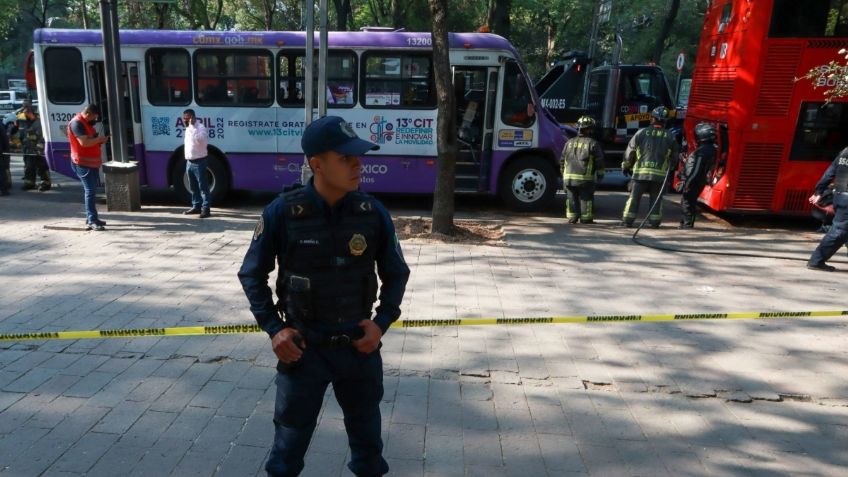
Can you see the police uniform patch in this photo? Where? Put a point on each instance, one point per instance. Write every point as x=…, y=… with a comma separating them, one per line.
x=357, y=245
x=260, y=227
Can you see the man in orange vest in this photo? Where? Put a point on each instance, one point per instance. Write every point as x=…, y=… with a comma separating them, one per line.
x=86, y=159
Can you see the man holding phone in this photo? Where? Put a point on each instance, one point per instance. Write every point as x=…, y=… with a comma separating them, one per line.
x=86, y=160
x=196, y=156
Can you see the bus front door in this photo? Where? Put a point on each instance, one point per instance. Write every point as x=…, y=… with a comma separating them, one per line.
x=97, y=95
x=474, y=89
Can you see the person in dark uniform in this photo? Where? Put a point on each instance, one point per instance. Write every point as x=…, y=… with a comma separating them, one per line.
x=582, y=162
x=836, y=237
x=5, y=172
x=650, y=155
x=693, y=177
x=326, y=238
x=32, y=146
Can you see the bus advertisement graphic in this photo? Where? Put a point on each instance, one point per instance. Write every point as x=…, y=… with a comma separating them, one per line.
x=381, y=130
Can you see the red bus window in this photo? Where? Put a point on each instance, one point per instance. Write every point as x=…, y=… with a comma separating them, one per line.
x=726, y=15
x=809, y=19
x=821, y=132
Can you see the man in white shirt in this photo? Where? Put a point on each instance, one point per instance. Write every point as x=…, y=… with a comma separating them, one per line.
x=196, y=155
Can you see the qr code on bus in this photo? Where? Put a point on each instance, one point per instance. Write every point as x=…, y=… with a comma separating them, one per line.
x=161, y=126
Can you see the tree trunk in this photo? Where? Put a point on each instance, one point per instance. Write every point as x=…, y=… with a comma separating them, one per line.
x=552, y=25
x=498, y=17
x=161, y=16
x=398, y=14
x=668, y=23
x=270, y=7
x=378, y=11
x=443, y=200
x=343, y=13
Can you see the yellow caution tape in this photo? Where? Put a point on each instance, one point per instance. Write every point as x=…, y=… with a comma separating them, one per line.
x=615, y=318
x=241, y=329
x=131, y=333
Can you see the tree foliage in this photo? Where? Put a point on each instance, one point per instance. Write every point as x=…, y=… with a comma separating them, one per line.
x=832, y=76
x=541, y=30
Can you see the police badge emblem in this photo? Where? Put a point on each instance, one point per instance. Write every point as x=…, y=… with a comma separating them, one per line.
x=357, y=245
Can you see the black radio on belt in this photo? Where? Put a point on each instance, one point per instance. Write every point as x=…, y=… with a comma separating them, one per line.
x=298, y=298
x=299, y=284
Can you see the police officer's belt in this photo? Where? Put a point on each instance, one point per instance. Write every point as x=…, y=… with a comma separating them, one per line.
x=338, y=340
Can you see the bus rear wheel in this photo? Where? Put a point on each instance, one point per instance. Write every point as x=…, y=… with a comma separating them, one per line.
x=528, y=184
x=216, y=174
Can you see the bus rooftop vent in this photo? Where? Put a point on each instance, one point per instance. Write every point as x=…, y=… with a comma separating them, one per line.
x=379, y=28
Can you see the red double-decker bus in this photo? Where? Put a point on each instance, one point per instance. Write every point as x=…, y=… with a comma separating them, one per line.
x=777, y=134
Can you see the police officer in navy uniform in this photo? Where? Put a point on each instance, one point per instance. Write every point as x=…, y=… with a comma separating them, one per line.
x=327, y=239
x=838, y=233
x=650, y=155
x=693, y=177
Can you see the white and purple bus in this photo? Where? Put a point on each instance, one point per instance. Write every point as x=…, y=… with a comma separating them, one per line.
x=247, y=88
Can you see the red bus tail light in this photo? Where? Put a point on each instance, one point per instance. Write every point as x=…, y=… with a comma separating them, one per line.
x=29, y=70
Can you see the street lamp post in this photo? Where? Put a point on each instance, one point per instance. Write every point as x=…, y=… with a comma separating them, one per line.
x=122, y=188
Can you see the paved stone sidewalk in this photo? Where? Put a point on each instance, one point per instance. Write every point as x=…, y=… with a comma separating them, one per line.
x=747, y=397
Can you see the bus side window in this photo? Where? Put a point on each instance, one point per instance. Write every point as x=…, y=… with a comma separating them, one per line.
x=517, y=107
x=234, y=77
x=168, y=77
x=398, y=80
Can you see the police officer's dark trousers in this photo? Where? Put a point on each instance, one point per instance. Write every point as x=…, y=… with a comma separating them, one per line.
x=838, y=233
x=579, y=202
x=358, y=385
x=631, y=208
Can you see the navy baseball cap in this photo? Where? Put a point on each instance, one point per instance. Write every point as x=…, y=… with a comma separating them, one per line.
x=332, y=133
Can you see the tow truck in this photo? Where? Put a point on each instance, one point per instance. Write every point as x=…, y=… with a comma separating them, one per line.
x=620, y=97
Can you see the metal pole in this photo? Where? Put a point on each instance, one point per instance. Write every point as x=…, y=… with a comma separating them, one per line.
x=593, y=40
x=322, y=62
x=84, y=16
x=677, y=88
x=109, y=68
x=114, y=84
x=120, y=86
x=305, y=171
x=608, y=120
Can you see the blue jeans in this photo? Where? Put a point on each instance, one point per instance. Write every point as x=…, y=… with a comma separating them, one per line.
x=838, y=233
x=197, y=181
x=358, y=385
x=88, y=176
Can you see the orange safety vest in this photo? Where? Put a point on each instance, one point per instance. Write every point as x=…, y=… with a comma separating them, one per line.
x=81, y=155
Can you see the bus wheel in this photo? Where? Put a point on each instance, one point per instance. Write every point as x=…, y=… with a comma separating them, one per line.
x=528, y=184
x=216, y=174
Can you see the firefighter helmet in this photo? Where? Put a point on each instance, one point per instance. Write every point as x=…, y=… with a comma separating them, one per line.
x=585, y=122
x=705, y=132
x=660, y=113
